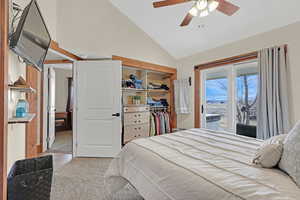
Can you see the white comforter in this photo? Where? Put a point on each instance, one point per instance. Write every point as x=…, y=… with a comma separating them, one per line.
x=197, y=164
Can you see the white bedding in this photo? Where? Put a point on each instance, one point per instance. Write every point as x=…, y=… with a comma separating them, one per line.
x=197, y=164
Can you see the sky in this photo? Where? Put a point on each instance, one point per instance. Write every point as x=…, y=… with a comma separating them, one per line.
x=216, y=89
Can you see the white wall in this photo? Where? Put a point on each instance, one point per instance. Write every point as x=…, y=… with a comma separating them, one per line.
x=96, y=27
x=16, y=133
x=61, y=88
x=287, y=35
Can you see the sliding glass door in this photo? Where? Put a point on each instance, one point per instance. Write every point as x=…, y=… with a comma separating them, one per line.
x=228, y=96
x=216, y=97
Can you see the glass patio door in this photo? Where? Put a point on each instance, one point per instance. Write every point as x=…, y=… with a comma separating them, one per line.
x=228, y=98
x=216, y=108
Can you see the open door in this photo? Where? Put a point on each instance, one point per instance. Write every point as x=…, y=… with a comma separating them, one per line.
x=51, y=107
x=97, y=117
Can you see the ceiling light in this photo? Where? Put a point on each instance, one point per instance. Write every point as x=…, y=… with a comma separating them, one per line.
x=212, y=5
x=204, y=13
x=202, y=4
x=194, y=11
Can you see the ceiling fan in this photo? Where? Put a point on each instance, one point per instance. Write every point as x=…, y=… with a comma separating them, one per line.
x=201, y=8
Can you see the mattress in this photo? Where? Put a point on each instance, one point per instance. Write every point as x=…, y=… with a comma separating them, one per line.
x=197, y=164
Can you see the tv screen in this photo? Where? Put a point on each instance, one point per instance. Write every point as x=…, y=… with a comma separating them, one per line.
x=31, y=39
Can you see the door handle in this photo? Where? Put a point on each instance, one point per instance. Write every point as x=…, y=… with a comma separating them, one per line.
x=202, y=109
x=116, y=115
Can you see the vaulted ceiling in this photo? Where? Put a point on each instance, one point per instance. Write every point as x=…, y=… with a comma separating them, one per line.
x=162, y=24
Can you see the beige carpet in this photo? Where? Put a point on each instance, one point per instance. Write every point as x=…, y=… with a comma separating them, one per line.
x=82, y=179
x=63, y=142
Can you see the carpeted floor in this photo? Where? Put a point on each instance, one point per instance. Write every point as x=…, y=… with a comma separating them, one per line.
x=82, y=179
x=63, y=142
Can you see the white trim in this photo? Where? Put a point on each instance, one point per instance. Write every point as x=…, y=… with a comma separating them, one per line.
x=75, y=106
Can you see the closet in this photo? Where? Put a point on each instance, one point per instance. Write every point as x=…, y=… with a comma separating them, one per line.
x=147, y=98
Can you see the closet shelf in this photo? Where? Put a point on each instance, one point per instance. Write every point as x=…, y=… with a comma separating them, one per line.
x=17, y=120
x=145, y=90
x=133, y=90
x=157, y=91
x=22, y=89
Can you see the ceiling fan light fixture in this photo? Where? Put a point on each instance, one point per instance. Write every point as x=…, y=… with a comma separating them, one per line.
x=213, y=5
x=202, y=4
x=204, y=13
x=194, y=11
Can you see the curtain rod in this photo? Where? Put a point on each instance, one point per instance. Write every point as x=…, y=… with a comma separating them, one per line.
x=232, y=60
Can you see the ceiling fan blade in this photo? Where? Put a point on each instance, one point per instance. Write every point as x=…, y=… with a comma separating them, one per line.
x=168, y=3
x=227, y=8
x=188, y=18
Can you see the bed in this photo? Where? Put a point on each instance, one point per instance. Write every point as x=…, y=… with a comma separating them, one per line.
x=197, y=164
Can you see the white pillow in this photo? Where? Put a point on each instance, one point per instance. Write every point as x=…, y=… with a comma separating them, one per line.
x=279, y=139
x=290, y=160
x=269, y=153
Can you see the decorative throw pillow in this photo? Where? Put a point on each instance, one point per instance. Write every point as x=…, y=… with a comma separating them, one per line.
x=290, y=160
x=279, y=139
x=269, y=153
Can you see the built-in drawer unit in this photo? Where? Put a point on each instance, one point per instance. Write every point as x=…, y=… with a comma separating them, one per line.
x=134, y=131
x=136, y=118
x=136, y=122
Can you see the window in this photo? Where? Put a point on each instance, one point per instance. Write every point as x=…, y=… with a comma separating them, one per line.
x=228, y=96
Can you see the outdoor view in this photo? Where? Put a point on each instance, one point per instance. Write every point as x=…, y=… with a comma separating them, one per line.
x=217, y=101
x=246, y=92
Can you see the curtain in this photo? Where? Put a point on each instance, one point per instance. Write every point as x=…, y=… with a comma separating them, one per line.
x=182, y=96
x=272, y=108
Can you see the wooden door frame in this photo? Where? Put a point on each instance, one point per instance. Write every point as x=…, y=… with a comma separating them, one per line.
x=209, y=65
x=4, y=49
x=32, y=78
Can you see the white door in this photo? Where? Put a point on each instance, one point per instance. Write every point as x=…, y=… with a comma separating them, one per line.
x=51, y=107
x=97, y=118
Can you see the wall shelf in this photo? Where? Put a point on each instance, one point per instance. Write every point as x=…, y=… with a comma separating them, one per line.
x=133, y=90
x=145, y=90
x=157, y=91
x=17, y=120
x=22, y=89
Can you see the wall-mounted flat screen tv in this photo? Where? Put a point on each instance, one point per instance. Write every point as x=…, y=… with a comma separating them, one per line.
x=31, y=39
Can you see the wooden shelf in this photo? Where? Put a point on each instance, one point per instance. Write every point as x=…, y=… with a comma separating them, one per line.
x=145, y=90
x=16, y=120
x=157, y=91
x=133, y=90
x=22, y=89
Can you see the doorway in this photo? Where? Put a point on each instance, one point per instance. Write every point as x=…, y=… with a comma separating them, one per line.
x=58, y=104
x=229, y=96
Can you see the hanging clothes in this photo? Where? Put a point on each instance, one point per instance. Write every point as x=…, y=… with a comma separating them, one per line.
x=152, y=125
x=160, y=123
x=167, y=123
